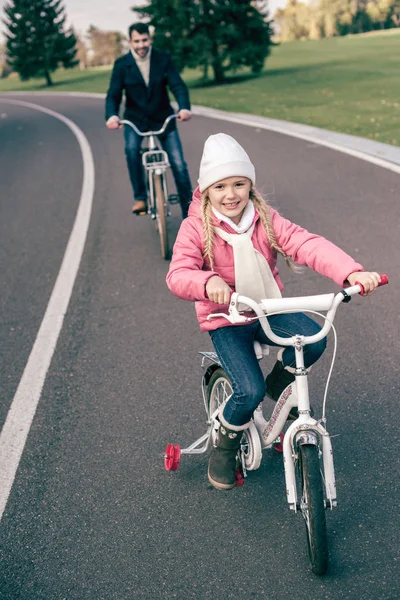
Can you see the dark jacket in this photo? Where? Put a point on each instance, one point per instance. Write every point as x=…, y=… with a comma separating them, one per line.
x=146, y=106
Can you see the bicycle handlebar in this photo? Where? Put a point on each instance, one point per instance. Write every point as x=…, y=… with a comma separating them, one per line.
x=384, y=281
x=325, y=302
x=148, y=133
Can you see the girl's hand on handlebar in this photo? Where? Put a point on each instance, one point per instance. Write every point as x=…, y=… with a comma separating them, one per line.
x=218, y=290
x=369, y=281
x=113, y=123
x=184, y=115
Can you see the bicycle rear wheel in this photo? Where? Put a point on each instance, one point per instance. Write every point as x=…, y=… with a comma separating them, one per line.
x=161, y=214
x=312, y=507
x=219, y=389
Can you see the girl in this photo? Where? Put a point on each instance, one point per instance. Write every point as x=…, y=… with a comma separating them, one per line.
x=230, y=242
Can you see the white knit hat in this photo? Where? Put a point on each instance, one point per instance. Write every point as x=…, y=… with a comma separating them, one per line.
x=223, y=157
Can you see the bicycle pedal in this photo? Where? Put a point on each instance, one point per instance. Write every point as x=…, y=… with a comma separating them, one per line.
x=173, y=199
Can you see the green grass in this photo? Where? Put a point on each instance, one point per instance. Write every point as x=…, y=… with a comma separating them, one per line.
x=348, y=84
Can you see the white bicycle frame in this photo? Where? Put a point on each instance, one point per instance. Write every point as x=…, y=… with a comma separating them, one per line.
x=154, y=159
x=305, y=429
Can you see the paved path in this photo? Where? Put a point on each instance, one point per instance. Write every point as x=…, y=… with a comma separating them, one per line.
x=92, y=514
x=378, y=153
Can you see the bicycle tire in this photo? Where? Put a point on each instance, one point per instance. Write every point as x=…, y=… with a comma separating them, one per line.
x=312, y=507
x=161, y=215
x=219, y=388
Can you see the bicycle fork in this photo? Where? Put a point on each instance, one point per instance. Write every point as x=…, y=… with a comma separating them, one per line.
x=307, y=431
x=155, y=162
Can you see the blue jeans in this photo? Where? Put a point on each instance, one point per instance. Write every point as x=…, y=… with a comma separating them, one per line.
x=171, y=143
x=234, y=346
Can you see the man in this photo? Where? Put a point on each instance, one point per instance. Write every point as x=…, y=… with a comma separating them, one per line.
x=144, y=74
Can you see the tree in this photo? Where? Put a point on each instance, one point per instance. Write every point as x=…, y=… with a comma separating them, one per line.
x=37, y=41
x=327, y=18
x=82, y=51
x=294, y=21
x=4, y=68
x=105, y=46
x=381, y=11
x=222, y=34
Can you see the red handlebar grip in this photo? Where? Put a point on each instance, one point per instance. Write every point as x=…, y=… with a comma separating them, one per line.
x=384, y=280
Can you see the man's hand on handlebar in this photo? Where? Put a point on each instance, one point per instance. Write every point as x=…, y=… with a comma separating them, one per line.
x=184, y=115
x=218, y=290
x=113, y=123
x=369, y=281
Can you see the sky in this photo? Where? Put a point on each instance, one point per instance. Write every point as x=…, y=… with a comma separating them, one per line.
x=110, y=15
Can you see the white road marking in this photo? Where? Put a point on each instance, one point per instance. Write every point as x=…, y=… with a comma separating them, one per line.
x=22, y=411
x=307, y=133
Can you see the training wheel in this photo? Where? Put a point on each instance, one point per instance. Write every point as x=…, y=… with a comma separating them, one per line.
x=239, y=479
x=279, y=446
x=172, y=457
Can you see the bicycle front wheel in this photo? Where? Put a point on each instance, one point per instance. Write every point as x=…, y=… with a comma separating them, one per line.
x=312, y=507
x=161, y=214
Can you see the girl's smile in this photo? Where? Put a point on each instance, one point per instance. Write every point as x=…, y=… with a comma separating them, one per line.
x=230, y=196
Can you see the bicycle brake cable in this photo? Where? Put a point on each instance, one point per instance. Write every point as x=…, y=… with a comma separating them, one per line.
x=314, y=312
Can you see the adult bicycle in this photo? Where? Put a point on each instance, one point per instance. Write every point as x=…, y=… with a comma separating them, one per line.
x=306, y=444
x=155, y=163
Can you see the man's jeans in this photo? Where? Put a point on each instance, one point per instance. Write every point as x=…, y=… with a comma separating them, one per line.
x=171, y=143
x=234, y=346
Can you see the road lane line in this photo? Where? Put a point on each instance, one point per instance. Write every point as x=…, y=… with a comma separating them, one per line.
x=22, y=411
x=302, y=132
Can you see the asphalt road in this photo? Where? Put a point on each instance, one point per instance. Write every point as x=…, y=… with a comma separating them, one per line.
x=92, y=514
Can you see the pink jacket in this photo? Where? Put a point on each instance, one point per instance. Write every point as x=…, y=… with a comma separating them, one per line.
x=189, y=271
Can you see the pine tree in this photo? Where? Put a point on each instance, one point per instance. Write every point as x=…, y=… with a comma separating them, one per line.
x=37, y=41
x=222, y=34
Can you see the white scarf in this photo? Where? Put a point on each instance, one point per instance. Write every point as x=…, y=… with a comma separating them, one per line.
x=253, y=275
x=245, y=221
x=143, y=65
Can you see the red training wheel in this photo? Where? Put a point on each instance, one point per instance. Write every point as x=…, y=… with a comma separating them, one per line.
x=279, y=446
x=172, y=457
x=239, y=479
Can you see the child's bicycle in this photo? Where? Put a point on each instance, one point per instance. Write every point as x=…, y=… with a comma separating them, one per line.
x=155, y=162
x=306, y=445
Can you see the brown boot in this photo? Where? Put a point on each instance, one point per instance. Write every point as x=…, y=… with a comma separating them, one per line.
x=222, y=463
x=139, y=207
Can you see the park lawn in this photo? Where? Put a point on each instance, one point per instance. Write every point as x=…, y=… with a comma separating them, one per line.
x=348, y=84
